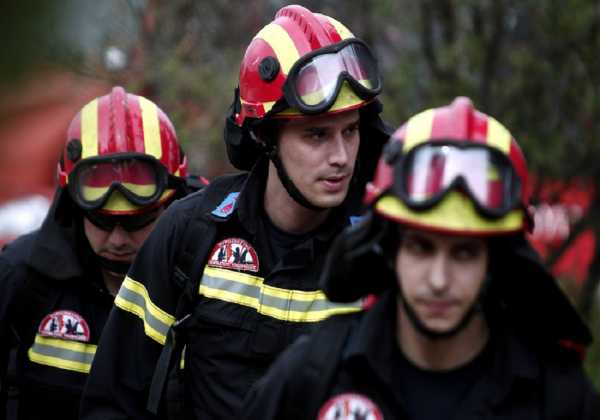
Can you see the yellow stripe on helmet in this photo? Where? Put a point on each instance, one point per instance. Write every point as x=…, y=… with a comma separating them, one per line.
x=340, y=28
x=152, y=143
x=282, y=44
x=117, y=203
x=418, y=129
x=455, y=212
x=89, y=129
x=498, y=136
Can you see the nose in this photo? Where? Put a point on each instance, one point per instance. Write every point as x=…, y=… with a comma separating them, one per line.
x=339, y=153
x=118, y=237
x=439, y=274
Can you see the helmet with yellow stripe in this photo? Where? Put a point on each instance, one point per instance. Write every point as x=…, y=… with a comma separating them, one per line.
x=453, y=170
x=121, y=156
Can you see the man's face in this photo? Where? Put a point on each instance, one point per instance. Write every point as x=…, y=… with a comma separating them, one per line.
x=117, y=244
x=319, y=154
x=440, y=276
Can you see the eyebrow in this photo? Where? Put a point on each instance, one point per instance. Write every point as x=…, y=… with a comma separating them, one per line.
x=325, y=126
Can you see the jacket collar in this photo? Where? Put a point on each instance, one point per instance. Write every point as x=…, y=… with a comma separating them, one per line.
x=374, y=343
x=58, y=245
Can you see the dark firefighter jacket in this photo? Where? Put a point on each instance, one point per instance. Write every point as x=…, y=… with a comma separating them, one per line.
x=520, y=381
x=53, y=304
x=247, y=305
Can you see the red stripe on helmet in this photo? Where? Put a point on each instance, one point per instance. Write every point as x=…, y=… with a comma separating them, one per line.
x=105, y=130
x=307, y=27
x=254, y=87
x=135, y=126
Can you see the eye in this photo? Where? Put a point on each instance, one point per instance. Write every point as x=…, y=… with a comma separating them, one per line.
x=417, y=246
x=316, y=134
x=467, y=251
x=351, y=130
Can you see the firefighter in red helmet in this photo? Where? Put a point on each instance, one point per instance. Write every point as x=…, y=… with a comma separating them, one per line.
x=121, y=167
x=466, y=323
x=305, y=126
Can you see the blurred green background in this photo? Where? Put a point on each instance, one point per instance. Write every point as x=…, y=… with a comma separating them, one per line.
x=534, y=65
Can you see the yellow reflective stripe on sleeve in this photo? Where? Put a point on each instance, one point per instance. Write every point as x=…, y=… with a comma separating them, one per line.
x=133, y=297
x=455, y=212
x=498, y=136
x=62, y=354
x=418, y=129
x=282, y=304
x=152, y=143
x=282, y=44
x=89, y=129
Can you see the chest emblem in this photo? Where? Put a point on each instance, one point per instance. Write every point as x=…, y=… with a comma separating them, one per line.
x=350, y=406
x=234, y=253
x=65, y=324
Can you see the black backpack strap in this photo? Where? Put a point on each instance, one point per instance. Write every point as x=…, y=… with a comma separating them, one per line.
x=186, y=275
x=318, y=372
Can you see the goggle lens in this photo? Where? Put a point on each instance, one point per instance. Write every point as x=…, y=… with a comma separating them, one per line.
x=431, y=170
x=138, y=177
x=317, y=81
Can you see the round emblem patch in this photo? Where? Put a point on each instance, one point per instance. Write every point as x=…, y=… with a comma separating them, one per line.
x=234, y=253
x=65, y=324
x=350, y=406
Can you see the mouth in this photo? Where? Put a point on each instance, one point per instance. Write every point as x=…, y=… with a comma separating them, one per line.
x=334, y=182
x=437, y=307
x=118, y=256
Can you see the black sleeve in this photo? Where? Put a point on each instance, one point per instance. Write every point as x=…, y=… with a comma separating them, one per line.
x=135, y=333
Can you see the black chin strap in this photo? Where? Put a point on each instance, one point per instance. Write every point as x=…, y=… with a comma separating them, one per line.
x=477, y=307
x=118, y=267
x=288, y=184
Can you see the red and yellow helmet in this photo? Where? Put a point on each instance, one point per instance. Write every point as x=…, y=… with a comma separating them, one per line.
x=305, y=63
x=453, y=169
x=121, y=155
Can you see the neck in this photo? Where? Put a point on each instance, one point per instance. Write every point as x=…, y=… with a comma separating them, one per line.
x=441, y=354
x=112, y=281
x=285, y=212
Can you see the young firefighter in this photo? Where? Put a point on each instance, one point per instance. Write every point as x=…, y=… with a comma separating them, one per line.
x=232, y=273
x=467, y=323
x=121, y=166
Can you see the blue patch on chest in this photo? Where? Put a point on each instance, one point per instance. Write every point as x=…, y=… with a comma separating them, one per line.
x=227, y=206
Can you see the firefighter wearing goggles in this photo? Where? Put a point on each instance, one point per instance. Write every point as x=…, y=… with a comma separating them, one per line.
x=466, y=322
x=305, y=125
x=121, y=166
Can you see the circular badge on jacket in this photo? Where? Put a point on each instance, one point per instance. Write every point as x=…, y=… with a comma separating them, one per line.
x=350, y=406
x=67, y=325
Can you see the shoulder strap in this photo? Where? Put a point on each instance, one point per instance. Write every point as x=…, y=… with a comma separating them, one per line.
x=196, y=243
x=322, y=362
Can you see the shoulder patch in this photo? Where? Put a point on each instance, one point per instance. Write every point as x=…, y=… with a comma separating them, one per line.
x=234, y=253
x=349, y=406
x=227, y=206
x=68, y=325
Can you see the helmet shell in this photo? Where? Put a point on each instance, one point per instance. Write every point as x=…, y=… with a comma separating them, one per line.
x=119, y=123
x=461, y=122
x=295, y=32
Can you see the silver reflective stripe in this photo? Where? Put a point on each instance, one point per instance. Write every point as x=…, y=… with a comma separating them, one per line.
x=62, y=354
x=283, y=304
x=133, y=297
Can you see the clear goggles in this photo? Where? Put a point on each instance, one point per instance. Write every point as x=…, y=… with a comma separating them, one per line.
x=314, y=81
x=427, y=172
x=141, y=179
